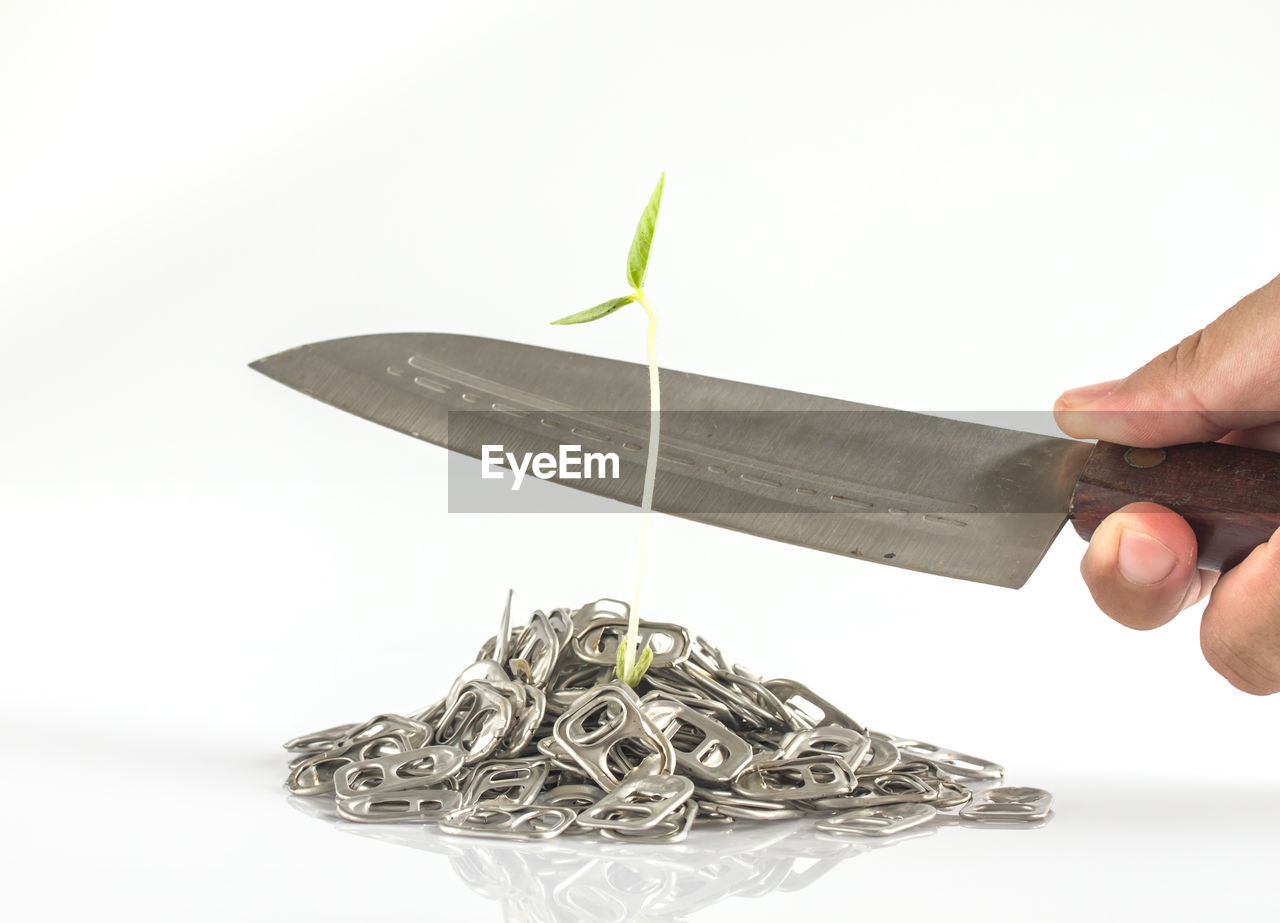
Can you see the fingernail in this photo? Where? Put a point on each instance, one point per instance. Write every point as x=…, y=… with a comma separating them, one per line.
x=1143, y=560
x=1079, y=397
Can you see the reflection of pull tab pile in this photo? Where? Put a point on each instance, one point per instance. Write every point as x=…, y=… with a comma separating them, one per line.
x=583, y=880
x=572, y=881
x=535, y=740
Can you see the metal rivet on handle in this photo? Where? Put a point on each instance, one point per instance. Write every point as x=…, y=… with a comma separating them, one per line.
x=1144, y=458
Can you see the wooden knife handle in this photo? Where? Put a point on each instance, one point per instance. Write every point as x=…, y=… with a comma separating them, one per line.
x=1229, y=495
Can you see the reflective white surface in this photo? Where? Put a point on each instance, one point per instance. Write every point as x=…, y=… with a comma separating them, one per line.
x=205, y=833
x=933, y=206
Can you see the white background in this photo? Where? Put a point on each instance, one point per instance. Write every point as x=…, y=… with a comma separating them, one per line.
x=922, y=205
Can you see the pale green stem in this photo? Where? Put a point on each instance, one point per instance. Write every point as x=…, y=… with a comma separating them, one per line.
x=650, y=474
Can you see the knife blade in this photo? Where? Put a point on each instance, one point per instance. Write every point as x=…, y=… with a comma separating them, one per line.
x=958, y=499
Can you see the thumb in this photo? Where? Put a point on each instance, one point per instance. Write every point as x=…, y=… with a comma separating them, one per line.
x=1141, y=566
x=1225, y=377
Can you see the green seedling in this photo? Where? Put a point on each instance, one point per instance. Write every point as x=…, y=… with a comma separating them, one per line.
x=631, y=667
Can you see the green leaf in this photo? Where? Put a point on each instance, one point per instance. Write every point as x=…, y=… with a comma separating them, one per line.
x=642, y=665
x=621, y=670
x=638, y=258
x=603, y=309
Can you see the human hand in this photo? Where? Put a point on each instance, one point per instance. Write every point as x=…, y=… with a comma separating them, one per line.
x=1221, y=383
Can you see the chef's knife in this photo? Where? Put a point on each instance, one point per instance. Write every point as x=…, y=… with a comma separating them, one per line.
x=960, y=499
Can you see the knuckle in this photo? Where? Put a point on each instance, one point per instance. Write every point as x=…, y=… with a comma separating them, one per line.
x=1249, y=671
x=1187, y=351
x=1182, y=366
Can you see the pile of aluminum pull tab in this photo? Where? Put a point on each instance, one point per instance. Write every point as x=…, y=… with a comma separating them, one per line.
x=536, y=739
